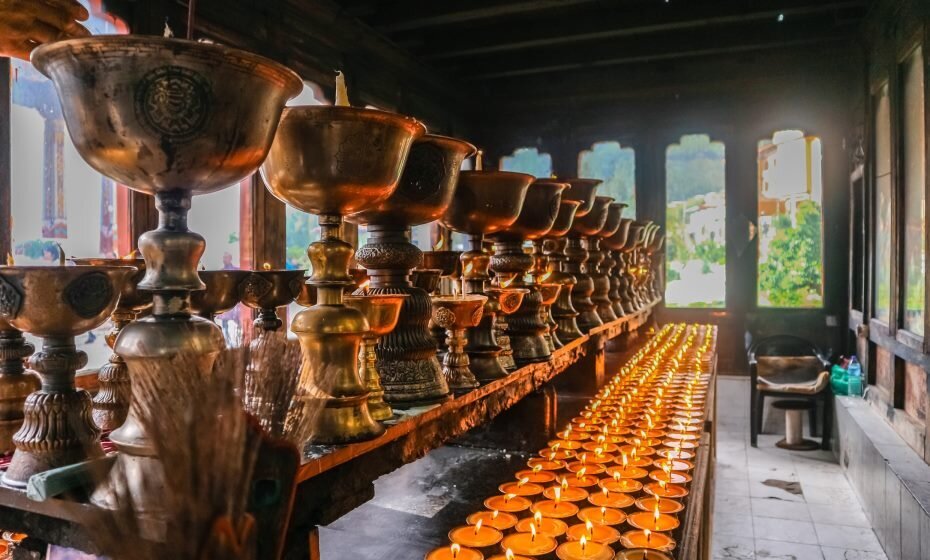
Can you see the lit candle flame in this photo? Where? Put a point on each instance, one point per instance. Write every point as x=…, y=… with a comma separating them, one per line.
x=494, y=514
x=364, y=285
x=558, y=496
x=455, y=549
x=537, y=468
x=508, y=282
x=584, y=543
x=603, y=513
x=589, y=527
x=657, y=513
x=533, y=531
x=509, y=497
x=580, y=474
x=648, y=534
x=478, y=526
x=509, y=554
x=130, y=256
x=439, y=244
x=537, y=518
x=523, y=481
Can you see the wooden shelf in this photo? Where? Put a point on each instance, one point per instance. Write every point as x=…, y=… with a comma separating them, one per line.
x=335, y=480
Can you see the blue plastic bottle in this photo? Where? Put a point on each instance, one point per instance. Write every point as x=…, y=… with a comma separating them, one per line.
x=854, y=377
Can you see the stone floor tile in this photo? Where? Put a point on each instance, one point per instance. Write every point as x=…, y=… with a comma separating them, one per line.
x=733, y=548
x=732, y=503
x=781, y=509
x=854, y=538
x=787, y=530
x=831, y=553
x=732, y=524
x=829, y=514
x=781, y=550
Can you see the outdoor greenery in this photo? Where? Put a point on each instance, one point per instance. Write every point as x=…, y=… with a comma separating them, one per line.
x=694, y=222
x=614, y=165
x=790, y=275
x=301, y=230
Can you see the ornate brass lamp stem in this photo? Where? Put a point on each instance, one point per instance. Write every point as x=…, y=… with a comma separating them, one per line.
x=15, y=383
x=563, y=311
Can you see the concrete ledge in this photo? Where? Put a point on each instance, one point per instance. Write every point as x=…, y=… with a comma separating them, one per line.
x=892, y=481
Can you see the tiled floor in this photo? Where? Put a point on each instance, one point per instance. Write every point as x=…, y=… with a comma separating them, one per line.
x=773, y=504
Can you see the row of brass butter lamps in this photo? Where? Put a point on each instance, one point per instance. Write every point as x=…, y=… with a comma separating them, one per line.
x=186, y=118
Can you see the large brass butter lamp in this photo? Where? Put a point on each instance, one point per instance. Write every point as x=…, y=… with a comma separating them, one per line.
x=600, y=297
x=111, y=403
x=56, y=303
x=382, y=312
x=655, y=264
x=537, y=216
x=410, y=371
x=16, y=383
x=485, y=202
x=561, y=312
x=614, y=244
x=171, y=118
x=335, y=161
x=504, y=302
x=564, y=311
x=576, y=251
x=634, y=238
x=455, y=314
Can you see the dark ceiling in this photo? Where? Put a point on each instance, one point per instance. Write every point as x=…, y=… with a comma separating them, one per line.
x=486, y=42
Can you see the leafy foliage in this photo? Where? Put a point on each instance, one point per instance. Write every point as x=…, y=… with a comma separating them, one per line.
x=614, y=165
x=791, y=274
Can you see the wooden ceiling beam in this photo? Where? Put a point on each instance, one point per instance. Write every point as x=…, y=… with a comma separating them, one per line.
x=647, y=58
x=538, y=40
x=496, y=9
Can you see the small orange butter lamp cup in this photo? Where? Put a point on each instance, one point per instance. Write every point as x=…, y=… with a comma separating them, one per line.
x=584, y=550
x=454, y=552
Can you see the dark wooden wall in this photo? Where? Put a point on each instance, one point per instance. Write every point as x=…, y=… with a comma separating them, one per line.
x=897, y=361
x=737, y=100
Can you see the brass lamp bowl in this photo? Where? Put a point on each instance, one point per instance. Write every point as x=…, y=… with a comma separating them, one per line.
x=221, y=295
x=635, y=236
x=583, y=191
x=486, y=201
x=381, y=310
x=539, y=212
x=614, y=216
x=130, y=298
x=338, y=160
x=458, y=312
x=426, y=279
x=550, y=292
x=563, y=222
x=60, y=301
x=445, y=261
x=506, y=300
x=616, y=241
x=270, y=289
x=594, y=221
x=179, y=115
x=426, y=186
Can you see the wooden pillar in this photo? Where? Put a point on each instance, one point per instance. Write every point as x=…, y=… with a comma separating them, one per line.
x=6, y=177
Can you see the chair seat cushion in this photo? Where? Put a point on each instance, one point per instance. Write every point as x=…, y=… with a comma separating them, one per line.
x=795, y=382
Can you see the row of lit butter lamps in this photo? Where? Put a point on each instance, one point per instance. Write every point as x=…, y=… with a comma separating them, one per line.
x=659, y=393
